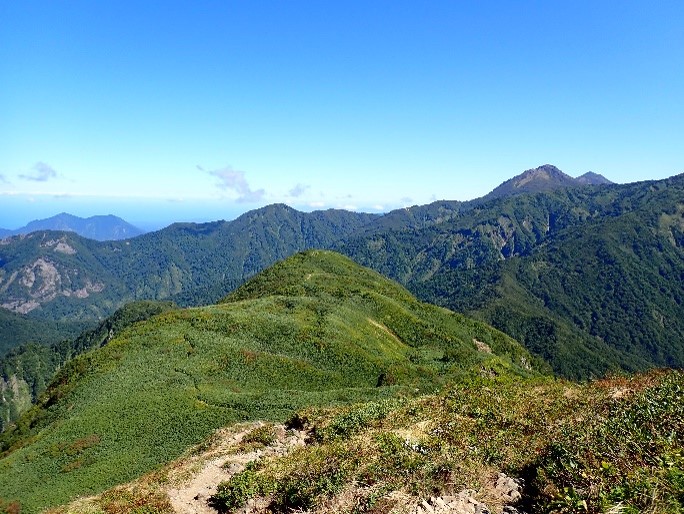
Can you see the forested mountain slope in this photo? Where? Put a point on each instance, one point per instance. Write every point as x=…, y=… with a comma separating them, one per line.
x=62, y=276
x=590, y=278
x=18, y=328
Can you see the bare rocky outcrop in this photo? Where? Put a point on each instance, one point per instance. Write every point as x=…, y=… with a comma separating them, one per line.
x=42, y=281
x=506, y=488
x=15, y=398
x=197, y=480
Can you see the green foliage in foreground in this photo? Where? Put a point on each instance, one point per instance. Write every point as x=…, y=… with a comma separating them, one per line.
x=615, y=445
x=314, y=330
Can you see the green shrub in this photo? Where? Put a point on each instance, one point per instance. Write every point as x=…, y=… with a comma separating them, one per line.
x=356, y=418
x=235, y=493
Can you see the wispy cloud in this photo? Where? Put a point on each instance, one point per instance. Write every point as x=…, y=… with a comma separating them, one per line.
x=230, y=179
x=3, y=179
x=40, y=172
x=298, y=190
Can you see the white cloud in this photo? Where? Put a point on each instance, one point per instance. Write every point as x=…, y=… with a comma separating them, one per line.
x=230, y=179
x=40, y=172
x=299, y=190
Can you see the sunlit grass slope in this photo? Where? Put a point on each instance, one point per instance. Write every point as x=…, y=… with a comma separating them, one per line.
x=316, y=329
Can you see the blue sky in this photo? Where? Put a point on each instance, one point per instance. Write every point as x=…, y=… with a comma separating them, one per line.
x=164, y=111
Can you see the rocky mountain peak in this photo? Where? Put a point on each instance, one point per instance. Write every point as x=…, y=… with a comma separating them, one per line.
x=591, y=178
x=543, y=178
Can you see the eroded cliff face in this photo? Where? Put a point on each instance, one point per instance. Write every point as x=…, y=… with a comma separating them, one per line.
x=15, y=399
x=44, y=279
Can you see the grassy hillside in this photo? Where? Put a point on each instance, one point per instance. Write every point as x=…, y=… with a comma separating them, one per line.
x=314, y=330
x=535, y=445
x=26, y=370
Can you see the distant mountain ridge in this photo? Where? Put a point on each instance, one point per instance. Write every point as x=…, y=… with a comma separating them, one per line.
x=594, y=179
x=99, y=228
x=63, y=276
x=543, y=179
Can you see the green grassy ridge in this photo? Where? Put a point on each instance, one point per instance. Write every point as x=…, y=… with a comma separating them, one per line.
x=318, y=270
x=613, y=445
x=333, y=333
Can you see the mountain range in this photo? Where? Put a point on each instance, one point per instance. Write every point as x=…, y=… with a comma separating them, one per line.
x=566, y=272
x=543, y=179
x=563, y=269
x=387, y=403
x=99, y=228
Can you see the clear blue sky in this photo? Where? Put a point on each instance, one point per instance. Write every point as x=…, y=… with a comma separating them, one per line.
x=198, y=110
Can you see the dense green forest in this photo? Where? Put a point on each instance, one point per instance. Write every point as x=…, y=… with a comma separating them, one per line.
x=16, y=329
x=588, y=278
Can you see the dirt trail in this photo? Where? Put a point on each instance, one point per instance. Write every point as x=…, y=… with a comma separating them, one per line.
x=198, y=478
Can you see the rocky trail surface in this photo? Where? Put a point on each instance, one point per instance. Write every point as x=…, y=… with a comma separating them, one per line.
x=507, y=489
x=199, y=478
